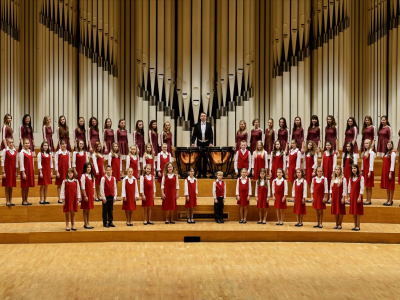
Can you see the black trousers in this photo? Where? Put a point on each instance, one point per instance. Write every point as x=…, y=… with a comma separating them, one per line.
x=202, y=164
x=108, y=208
x=219, y=209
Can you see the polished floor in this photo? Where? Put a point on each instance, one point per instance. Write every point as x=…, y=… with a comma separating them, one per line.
x=200, y=271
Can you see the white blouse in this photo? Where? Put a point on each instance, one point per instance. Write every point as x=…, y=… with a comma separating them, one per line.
x=355, y=158
x=142, y=183
x=278, y=153
x=58, y=153
x=344, y=184
x=262, y=183
x=39, y=160
x=110, y=157
x=128, y=162
x=315, y=165
x=74, y=157
x=298, y=183
x=83, y=181
x=78, y=189
x=170, y=176
x=372, y=157
x=243, y=180
x=278, y=182
x=361, y=184
x=194, y=179
x=3, y=156
x=21, y=159
x=102, y=183
x=164, y=155
x=298, y=159
x=130, y=181
x=237, y=159
x=255, y=154
x=318, y=180
x=95, y=165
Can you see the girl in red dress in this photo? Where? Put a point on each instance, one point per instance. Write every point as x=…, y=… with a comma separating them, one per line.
x=389, y=173
x=351, y=134
x=283, y=135
x=130, y=195
x=47, y=133
x=277, y=160
x=255, y=136
x=328, y=164
x=93, y=134
x=79, y=159
x=349, y=158
x=262, y=192
x=63, y=134
x=166, y=137
x=27, y=170
x=310, y=162
x=70, y=196
x=45, y=167
x=122, y=139
x=80, y=134
x=62, y=161
x=115, y=161
x=242, y=159
x=384, y=135
x=331, y=133
x=299, y=194
x=108, y=137
x=98, y=165
x=243, y=193
x=9, y=163
x=367, y=168
x=6, y=131
x=88, y=188
x=132, y=160
x=149, y=159
x=169, y=192
x=162, y=158
x=269, y=137
x=319, y=192
x=298, y=134
x=148, y=191
x=191, y=196
x=138, y=137
x=241, y=135
x=294, y=161
x=339, y=193
x=153, y=137
x=314, y=133
x=279, y=193
x=26, y=132
x=356, y=191
x=260, y=160
x=368, y=131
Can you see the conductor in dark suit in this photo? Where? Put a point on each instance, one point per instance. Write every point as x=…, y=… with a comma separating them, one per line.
x=205, y=137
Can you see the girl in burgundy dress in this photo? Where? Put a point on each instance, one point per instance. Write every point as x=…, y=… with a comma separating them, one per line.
x=130, y=195
x=255, y=135
x=6, y=131
x=79, y=159
x=122, y=139
x=63, y=134
x=153, y=136
x=314, y=132
x=9, y=163
x=26, y=132
x=27, y=170
x=132, y=161
x=319, y=192
x=384, y=135
x=328, y=164
x=166, y=137
x=368, y=132
x=115, y=161
x=367, y=168
x=70, y=196
x=331, y=133
x=279, y=193
x=80, y=134
x=349, y=158
x=310, y=162
x=98, y=165
x=355, y=192
x=108, y=137
x=299, y=194
x=62, y=161
x=47, y=133
x=169, y=192
x=148, y=191
x=351, y=134
x=88, y=188
x=298, y=133
x=191, y=196
x=259, y=160
x=294, y=160
x=243, y=193
x=242, y=135
x=277, y=160
x=269, y=137
x=283, y=135
x=389, y=173
x=45, y=167
x=262, y=192
x=138, y=138
x=339, y=193
x=149, y=159
x=93, y=134
x=162, y=159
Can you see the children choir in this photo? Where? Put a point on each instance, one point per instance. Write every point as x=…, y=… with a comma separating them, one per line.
x=273, y=158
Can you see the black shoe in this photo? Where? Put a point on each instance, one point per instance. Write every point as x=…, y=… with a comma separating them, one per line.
x=46, y=202
x=259, y=222
x=390, y=204
x=87, y=227
x=320, y=226
x=354, y=229
x=308, y=201
x=29, y=203
x=339, y=227
x=41, y=202
x=149, y=223
x=244, y=221
x=187, y=221
x=73, y=229
x=8, y=204
x=118, y=200
x=335, y=227
x=301, y=224
x=367, y=203
x=166, y=222
x=193, y=222
x=12, y=204
x=97, y=200
x=130, y=224
x=264, y=223
x=67, y=229
x=25, y=204
x=241, y=221
x=221, y=221
x=111, y=225
x=347, y=203
x=297, y=225
x=278, y=224
x=106, y=225
x=385, y=204
x=290, y=200
x=171, y=222
x=127, y=224
x=217, y=221
x=316, y=226
x=281, y=224
x=357, y=229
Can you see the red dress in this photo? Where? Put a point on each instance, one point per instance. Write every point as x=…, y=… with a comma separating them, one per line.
x=29, y=171
x=309, y=167
x=169, y=203
x=349, y=137
x=337, y=208
x=314, y=134
x=48, y=136
x=298, y=134
x=26, y=133
x=292, y=165
x=239, y=138
x=283, y=137
x=243, y=192
x=347, y=169
x=122, y=140
x=71, y=196
x=256, y=135
x=108, y=140
x=81, y=136
x=387, y=183
x=93, y=138
x=63, y=165
x=89, y=193
x=368, y=134
x=166, y=138
x=163, y=162
x=319, y=193
x=192, y=194
x=328, y=167
x=355, y=207
x=133, y=163
x=138, y=139
x=46, y=169
x=130, y=190
x=148, y=188
x=277, y=163
x=384, y=135
x=299, y=207
x=149, y=161
x=153, y=136
x=100, y=166
x=10, y=168
x=279, y=194
x=269, y=144
x=262, y=195
x=6, y=134
x=368, y=182
x=259, y=163
x=331, y=135
x=80, y=161
x=116, y=167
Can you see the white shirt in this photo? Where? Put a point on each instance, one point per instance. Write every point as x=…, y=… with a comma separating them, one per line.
x=243, y=180
x=3, y=156
x=255, y=154
x=334, y=161
x=237, y=160
x=74, y=157
x=170, y=176
x=344, y=184
x=186, y=185
x=142, y=183
x=21, y=159
x=128, y=162
x=78, y=190
x=102, y=182
x=315, y=165
x=130, y=181
x=298, y=183
x=95, y=165
x=278, y=182
x=372, y=156
x=392, y=161
x=215, y=188
x=278, y=153
x=355, y=158
x=39, y=160
x=262, y=183
x=83, y=181
x=361, y=184
x=58, y=153
x=164, y=155
x=110, y=157
x=298, y=159
x=319, y=181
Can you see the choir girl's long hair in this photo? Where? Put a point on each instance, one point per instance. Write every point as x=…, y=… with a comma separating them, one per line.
x=295, y=127
x=119, y=124
x=302, y=173
x=5, y=121
x=29, y=125
x=365, y=149
x=311, y=151
x=274, y=150
x=330, y=143
x=387, y=122
x=245, y=127
x=358, y=171
x=389, y=151
x=365, y=124
x=333, y=123
x=95, y=151
x=340, y=177
x=115, y=152
x=284, y=123
x=271, y=130
x=262, y=149
x=85, y=166
x=64, y=130
x=350, y=153
x=81, y=128
x=259, y=176
x=314, y=117
x=96, y=127
x=146, y=155
x=283, y=173
x=139, y=131
x=42, y=149
x=166, y=169
x=105, y=124
x=45, y=119
x=354, y=123
x=151, y=126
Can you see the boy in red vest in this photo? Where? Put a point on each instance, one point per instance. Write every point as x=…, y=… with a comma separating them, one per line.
x=242, y=159
x=219, y=194
x=108, y=191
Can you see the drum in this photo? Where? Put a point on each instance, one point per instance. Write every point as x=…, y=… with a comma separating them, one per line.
x=187, y=157
x=220, y=159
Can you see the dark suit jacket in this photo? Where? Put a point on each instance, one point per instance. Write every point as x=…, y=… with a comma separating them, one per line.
x=209, y=135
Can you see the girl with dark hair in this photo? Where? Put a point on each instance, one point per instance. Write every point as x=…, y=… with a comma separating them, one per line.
x=108, y=137
x=9, y=163
x=262, y=192
x=63, y=133
x=367, y=168
x=93, y=134
x=389, y=173
x=26, y=132
x=153, y=136
x=6, y=131
x=283, y=135
x=328, y=164
x=122, y=138
x=87, y=182
x=79, y=159
x=355, y=192
x=45, y=167
x=294, y=161
x=27, y=170
x=269, y=137
x=255, y=135
x=80, y=134
x=314, y=132
x=47, y=132
x=351, y=134
x=331, y=133
x=298, y=134
x=368, y=131
x=138, y=137
x=384, y=135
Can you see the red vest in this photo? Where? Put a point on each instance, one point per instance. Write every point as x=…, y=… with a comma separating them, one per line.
x=109, y=186
x=243, y=160
x=220, y=189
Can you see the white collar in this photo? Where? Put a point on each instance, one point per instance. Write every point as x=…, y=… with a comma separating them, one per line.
x=243, y=151
x=108, y=177
x=203, y=123
x=98, y=154
x=279, y=181
x=220, y=182
x=45, y=154
x=133, y=156
x=164, y=154
x=130, y=180
x=243, y=180
x=294, y=151
x=81, y=153
x=148, y=176
x=319, y=179
x=191, y=179
x=27, y=152
x=170, y=175
x=299, y=180
x=149, y=156
x=88, y=176
x=328, y=154
x=65, y=152
x=69, y=180
x=11, y=150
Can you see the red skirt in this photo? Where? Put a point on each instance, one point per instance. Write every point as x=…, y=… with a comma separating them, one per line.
x=263, y=196
x=10, y=170
x=299, y=207
x=100, y=166
x=355, y=207
x=319, y=193
x=63, y=164
x=387, y=183
x=192, y=195
x=243, y=192
x=148, y=191
x=71, y=197
x=130, y=189
x=169, y=203
x=279, y=194
x=337, y=208
x=116, y=167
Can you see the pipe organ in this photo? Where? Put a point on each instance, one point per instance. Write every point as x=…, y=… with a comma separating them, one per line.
x=168, y=60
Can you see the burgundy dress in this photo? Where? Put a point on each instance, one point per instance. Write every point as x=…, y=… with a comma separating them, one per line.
x=298, y=134
x=108, y=140
x=93, y=138
x=269, y=145
x=166, y=137
x=64, y=137
x=138, y=139
x=369, y=134
x=81, y=136
x=6, y=134
x=122, y=140
x=314, y=134
x=283, y=137
x=240, y=137
x=26, y=133
x=350, y=136
x=256, y=135
x=153, y=136
x=384, y=135
x=331, y=135
x=48, y=136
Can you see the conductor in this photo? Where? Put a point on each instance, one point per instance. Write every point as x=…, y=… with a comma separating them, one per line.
x=204, y=135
